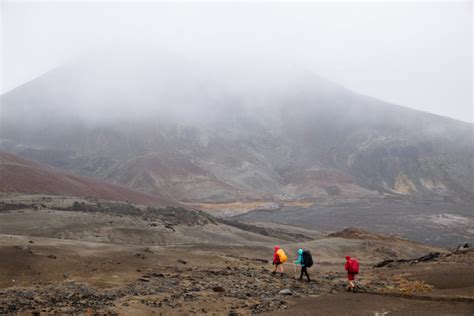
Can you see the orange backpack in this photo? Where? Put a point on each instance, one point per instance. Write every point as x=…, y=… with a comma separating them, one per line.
x=282, y=255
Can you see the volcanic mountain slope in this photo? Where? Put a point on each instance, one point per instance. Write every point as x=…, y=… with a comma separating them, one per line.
x=268, y=134
x=22, y=175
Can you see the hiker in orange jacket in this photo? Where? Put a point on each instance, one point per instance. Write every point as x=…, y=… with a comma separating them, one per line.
x=279, y=257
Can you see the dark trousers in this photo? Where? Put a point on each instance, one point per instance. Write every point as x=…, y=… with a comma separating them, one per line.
x=305, y=271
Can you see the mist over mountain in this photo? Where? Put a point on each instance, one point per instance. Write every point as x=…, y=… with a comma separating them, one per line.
x=171, y=127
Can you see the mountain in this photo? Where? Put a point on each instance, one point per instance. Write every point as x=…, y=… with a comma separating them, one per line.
x=184, y=131
x=25, y=176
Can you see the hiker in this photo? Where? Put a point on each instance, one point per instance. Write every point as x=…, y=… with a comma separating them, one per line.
x=279, y=257
x=305, y=260
x=352, y=268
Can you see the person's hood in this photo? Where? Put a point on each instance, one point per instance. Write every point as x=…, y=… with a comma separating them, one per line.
x=300, y=251
x=276, y=248
x=348, y=258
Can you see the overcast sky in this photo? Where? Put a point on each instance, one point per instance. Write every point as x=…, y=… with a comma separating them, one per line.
x=416, y=54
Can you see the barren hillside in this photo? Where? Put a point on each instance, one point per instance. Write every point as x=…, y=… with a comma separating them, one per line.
x=22, y=175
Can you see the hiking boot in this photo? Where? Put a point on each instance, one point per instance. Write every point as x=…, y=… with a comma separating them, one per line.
x=273, y=273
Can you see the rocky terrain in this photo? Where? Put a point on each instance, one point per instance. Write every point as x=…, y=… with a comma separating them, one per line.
x=85, y=256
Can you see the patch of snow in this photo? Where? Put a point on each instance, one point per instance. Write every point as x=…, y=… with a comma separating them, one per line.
x=447, y=219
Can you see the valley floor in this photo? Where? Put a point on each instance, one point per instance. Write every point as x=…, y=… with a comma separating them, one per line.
x=78, y=262
x=435, y=223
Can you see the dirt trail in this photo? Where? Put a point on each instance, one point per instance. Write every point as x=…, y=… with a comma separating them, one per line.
x=375, y=305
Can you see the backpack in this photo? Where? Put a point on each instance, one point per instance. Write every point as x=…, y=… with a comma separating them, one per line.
x=353, y=266
x=307, y=258
x=282, y=255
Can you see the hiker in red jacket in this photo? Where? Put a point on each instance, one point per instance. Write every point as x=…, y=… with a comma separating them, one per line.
x=352, y=268
x=279, y=257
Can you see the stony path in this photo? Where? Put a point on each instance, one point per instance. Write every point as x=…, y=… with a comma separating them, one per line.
x=256, y=290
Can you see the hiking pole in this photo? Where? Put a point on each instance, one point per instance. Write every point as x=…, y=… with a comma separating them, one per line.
x=294, y=268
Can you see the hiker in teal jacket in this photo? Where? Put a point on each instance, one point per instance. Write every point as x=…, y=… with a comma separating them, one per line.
x=300, y=261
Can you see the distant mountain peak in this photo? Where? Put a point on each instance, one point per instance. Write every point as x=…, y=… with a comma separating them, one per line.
x=168, y=126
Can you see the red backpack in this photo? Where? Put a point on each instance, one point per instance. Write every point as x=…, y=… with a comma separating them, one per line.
x=353, y=266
